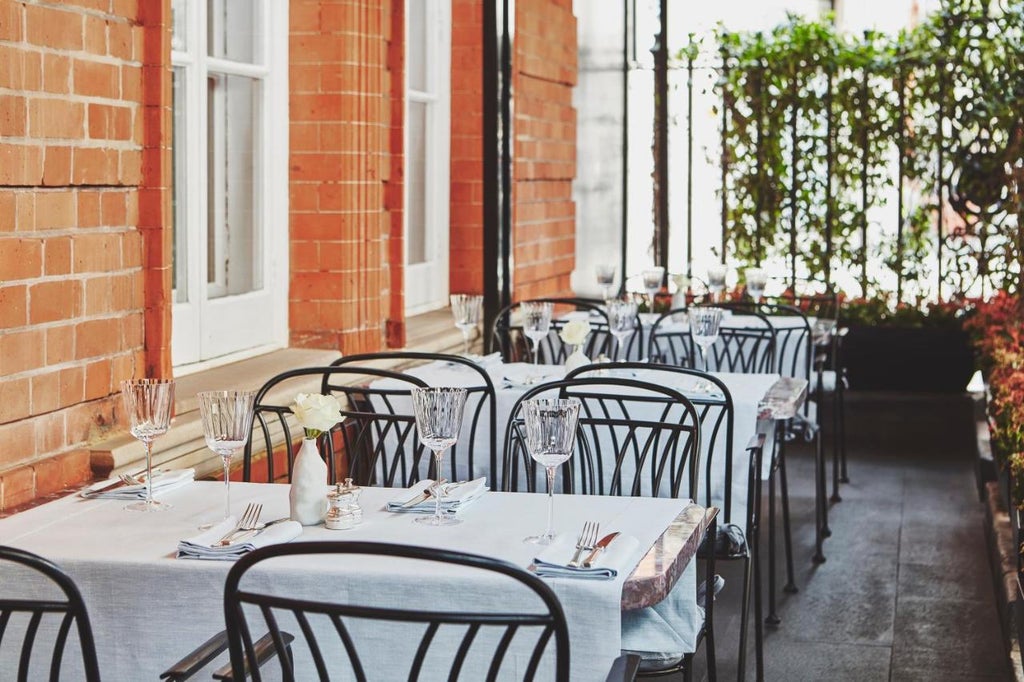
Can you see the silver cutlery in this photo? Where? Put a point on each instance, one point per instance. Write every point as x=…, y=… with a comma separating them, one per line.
x=423, y=496
x=598, y=548
x=122, y=481
x=249, y=534
x=585, y=542
x=250, y=517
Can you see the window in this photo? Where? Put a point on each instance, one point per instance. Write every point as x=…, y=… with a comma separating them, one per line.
x=230, y=177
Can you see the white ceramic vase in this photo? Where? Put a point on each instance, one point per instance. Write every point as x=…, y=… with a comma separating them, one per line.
x=576, y=359
x=308, y=494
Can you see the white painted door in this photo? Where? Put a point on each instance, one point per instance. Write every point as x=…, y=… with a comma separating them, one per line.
x=427, y=153
x=230, y=178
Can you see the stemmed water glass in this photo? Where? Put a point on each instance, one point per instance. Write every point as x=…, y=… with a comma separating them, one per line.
x=716, y=280
x=149, y=403
x=605, y=273
x=621, y=323
x=704, y=326
x=536, y=323
x=227, y=423
x=652, y=282
x=757, y=280
x=438, y=413
x=466, y=309
x=550, y=425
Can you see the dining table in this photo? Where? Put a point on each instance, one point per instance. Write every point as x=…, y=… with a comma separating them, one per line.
x=149, y=608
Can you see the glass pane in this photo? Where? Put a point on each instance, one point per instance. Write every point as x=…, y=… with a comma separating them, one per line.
x=179, y=25
x=178, y=203
x=416, y=46
x=234, y=30
x=234, y=250
x=416, y=186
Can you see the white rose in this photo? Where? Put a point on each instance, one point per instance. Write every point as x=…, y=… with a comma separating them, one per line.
x=316, y=412
x=575, y=332
x=682, y=281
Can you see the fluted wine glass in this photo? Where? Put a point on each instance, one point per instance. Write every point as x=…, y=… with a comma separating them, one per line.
x=466, y=309
x=652, y=283
x=550, y=425
x=621, y=323
x=716, y=280
x=149, y=403
x=757, y=280
x=704, y=328
x=536, y=323
x=605, y=274
x=438, y=413
x=227, y=423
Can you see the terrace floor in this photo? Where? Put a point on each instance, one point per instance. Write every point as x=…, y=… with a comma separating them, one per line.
x=907, y=592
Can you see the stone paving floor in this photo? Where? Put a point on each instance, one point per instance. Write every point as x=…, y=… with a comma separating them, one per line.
x=906, y=593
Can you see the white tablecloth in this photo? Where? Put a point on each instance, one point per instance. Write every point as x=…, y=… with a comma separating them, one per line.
x=148, y=609
x=747, y=390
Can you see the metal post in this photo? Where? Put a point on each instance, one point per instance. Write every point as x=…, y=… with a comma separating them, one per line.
x=689, y=162
x=758, y=205
x=661, y=183
x=627, y=46
x=901, y=143
x=829, y=165
x=939, y=183
x=864, y=176
x=794, y=139
x=725, y=155
x=498, y=27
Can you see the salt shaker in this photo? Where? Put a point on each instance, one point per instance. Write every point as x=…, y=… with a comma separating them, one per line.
x=344, y=512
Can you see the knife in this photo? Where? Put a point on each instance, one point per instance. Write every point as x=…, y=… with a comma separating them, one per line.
x=423, y=496
x=598, y=548
x=237, y=537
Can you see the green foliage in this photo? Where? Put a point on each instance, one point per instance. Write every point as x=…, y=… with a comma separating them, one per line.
x=816, y=120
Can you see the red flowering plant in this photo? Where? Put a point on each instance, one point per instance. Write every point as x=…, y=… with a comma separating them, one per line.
x=995, y=323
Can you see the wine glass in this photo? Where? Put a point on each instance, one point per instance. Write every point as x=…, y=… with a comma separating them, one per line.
x=438, y=413
x=550, y=425
x=652, y=282
x=716, y=280
x=227, y=423
x=536, y=323
x=621, y=323
x=605, y=273
x=149, y=403
x=704, y=326
x=757, y=279
x=466, y=309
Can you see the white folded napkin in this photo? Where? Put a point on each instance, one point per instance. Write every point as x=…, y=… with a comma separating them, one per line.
x=204, y=545
x=527, y=374
x=457, y=497
x=485, y=361
x=620, y=555
x=163, y=480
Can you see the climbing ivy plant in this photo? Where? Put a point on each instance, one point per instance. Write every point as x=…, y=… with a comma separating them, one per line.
x=842, y=151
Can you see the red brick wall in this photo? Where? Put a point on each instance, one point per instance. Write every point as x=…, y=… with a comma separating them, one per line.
x=543, y=212
x=72, y=136
x=467, y=153
x=341, y=167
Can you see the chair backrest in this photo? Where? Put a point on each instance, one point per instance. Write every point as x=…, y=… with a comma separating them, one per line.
x=634, y=438
x=68, y=612
x=821, y=306
x=377, y=433
x=507, y=335
x=480, y=414
x=328, y=628
x=713, y=402
x=793, y=339
x=748, y=349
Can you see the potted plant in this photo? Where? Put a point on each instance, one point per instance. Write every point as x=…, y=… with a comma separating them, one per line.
x=906, y=347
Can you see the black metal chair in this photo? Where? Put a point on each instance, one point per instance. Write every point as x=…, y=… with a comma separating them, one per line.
x=69, y=611
x=507, y=336
x=48, y=624
x=717, y=420
x=480, y=412
x=326, y=626
x=749, y=349
x=377, y=432
x=634, y=438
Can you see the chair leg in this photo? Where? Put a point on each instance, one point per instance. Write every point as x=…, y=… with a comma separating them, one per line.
x=688, y=668
x=748, y=579
x=787, y=533
x=773, y=617
x=822, y=470
x=835, y=449
x=841, y=395
x=820, y=508
x=758, y=596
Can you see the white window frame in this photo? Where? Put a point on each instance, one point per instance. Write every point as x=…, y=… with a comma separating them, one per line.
x=430, y=290
x=207, y=331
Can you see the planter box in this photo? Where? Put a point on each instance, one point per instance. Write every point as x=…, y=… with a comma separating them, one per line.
x=907, y=359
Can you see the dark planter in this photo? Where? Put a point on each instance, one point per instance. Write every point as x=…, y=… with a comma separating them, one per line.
x=907, y=359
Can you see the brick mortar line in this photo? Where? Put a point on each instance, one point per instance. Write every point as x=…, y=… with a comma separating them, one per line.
x=75, y=143
x=80, y=55
x=59, y=5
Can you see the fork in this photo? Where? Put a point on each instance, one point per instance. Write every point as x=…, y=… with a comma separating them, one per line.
x=250, y=517
x=585, y=542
